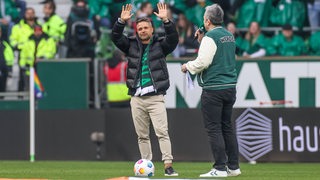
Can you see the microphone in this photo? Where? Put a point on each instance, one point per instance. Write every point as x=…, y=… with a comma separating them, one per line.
x=201, y=30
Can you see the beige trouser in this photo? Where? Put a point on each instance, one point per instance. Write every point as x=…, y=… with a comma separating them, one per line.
x=144, y=109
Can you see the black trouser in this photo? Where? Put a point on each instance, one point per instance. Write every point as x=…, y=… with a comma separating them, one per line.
x=23, y=84
x=216, y=106
x=3, y=78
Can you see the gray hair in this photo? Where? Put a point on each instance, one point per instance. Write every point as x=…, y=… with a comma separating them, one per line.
x=215, y=14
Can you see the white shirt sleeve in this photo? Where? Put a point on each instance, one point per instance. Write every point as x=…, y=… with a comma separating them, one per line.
x=260, y=53
x=207, y=50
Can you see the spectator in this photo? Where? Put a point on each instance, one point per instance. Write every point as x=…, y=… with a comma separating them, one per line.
x=54, y=25
x=231, y=27
x=99, y=11
x=252, y=10
x=254, y=42
x=38, y=46
x=287, y=44
x=314, y=43
x=80, y=35
x=187, y=45
x=178, y=6
x=115, y=9
x=194, y=11
x=8, y=14
x=6, y=62
x=19, y=36
x=22, y=5
x=146, y=10
x=289, y=11
x=115, y=72
x=100, y=14
x=21, y=31
x=314, y=13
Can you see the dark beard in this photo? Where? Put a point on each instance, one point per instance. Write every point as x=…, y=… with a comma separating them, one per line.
x=146, y=38
x=30, y=19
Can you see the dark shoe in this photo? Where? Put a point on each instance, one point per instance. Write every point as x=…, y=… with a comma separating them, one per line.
x=170, y=172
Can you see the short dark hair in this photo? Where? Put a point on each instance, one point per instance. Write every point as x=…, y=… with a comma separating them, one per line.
x=144, y=19
x=52, y=5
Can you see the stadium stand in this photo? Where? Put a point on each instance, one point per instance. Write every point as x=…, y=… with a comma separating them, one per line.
x=63, y=7
x=104, y=47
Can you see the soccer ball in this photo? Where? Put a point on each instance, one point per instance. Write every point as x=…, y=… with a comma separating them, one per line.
x=143, y=167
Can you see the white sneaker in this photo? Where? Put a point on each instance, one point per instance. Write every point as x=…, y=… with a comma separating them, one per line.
x=215, y=173
x=236, y=172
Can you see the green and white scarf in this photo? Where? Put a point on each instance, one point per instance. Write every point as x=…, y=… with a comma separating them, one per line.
x=145, y=85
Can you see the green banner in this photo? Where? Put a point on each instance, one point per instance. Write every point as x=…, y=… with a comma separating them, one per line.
x=65, y=82
x=269, y=82
x=261, y=83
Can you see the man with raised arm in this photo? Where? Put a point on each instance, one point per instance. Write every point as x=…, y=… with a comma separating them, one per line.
x=148, y=78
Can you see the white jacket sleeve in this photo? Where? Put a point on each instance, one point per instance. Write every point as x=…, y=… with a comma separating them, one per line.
x=207, y=50
x=260, y=53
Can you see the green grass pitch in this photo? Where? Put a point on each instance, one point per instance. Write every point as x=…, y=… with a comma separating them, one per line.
x=99, y=170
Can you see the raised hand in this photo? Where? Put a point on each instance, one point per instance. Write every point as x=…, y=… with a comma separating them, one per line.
x=126, y=12
x=163, y=12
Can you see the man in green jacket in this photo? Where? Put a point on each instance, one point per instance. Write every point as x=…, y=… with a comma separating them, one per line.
x=100, y=12
x=252, y=10
x=216, y=70
x=314, y=43
x=287, y=44
x=289, y=11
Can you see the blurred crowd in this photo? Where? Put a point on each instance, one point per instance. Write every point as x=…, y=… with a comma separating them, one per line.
x=85, y=33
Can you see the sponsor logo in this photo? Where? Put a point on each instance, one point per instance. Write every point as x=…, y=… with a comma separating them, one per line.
x=254, y=133
x=295, y=138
